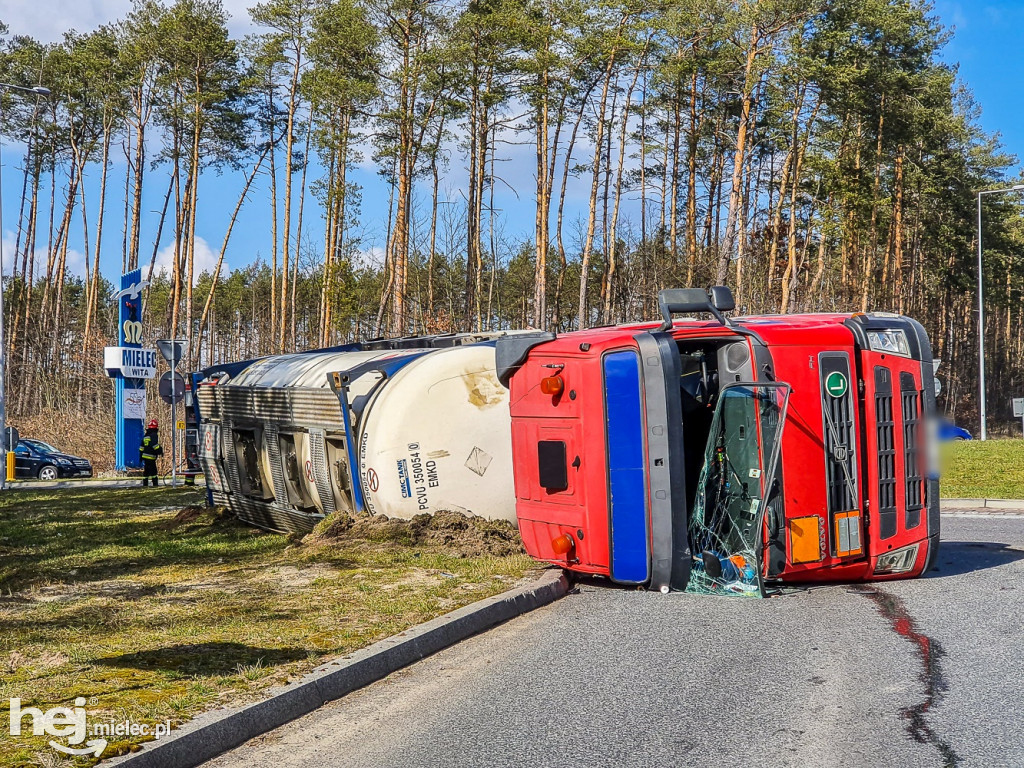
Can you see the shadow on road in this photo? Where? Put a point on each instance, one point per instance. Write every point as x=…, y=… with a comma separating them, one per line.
x=959, y=557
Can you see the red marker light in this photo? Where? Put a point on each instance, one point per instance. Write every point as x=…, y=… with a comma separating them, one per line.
x=563, y=544
x=552, y=385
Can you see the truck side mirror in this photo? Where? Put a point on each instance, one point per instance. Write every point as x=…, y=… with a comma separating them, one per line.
x=722, y=299
x=681, y=301
x=688, y=301
x=510, y=352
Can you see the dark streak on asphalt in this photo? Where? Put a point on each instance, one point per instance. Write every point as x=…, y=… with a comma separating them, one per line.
x=930, y=653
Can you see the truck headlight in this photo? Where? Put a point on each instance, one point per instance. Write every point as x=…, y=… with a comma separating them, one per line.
x=891, y=342
x=898, y=561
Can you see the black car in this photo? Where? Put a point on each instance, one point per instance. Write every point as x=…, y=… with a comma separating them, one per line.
x=34, y=458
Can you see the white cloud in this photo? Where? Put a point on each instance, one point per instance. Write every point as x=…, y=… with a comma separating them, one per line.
x=369, y=257
x=74, y=264
x=204, y=260
x=48, y=20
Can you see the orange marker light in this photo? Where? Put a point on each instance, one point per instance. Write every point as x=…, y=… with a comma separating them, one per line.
x=563, y=544
x=552, y=385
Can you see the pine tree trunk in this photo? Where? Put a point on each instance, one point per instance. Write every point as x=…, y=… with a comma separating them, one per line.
x=691, y=183
x=543, y=208
x=588, y=244
x=869, y=257
x=610, y=280
x=746, y=116
x=94, y=286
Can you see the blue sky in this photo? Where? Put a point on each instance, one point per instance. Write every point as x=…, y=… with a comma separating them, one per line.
x=986, y=45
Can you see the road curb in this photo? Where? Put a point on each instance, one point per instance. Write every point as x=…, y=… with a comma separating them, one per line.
x=1004, y=504
x=215, y=732
x=93, y=483
x=1010, y=514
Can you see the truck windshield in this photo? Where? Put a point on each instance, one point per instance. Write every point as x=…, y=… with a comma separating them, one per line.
x=736, y=483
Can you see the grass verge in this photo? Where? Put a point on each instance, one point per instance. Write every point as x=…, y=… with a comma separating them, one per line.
x=972, y=469
x=154, y=609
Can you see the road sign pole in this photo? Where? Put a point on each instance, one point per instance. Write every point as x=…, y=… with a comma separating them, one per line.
x=172, y=350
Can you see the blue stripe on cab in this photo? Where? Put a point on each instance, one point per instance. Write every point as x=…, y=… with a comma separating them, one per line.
x=627, y=485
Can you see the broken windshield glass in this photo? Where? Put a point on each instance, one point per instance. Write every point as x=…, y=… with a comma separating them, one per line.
x=736, y=483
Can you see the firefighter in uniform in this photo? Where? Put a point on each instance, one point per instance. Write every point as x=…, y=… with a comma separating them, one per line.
x=150, y=451
x=191, y=465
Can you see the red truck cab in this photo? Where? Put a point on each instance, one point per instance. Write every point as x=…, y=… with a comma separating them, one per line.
x=726, y=455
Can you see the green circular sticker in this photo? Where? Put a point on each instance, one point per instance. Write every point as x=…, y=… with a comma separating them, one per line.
x=836, y=384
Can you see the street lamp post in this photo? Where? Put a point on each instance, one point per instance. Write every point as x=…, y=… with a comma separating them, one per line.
x=37, y=90
x=981, y=312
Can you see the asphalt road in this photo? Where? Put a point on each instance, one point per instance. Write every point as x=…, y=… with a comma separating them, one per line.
x=917, y=673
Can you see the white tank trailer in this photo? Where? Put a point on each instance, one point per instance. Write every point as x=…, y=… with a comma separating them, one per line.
x=396, y=427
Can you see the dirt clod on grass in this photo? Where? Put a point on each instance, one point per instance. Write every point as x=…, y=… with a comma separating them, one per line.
x=194, y=513
x=186, y=515
x=467, y=536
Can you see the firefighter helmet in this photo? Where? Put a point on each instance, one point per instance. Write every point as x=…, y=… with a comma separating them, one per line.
x=152, y=424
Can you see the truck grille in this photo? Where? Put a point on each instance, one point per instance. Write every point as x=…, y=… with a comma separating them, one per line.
x=911, y=402
x=886, y=453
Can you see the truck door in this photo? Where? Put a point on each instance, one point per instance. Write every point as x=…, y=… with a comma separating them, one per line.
x=627, y=484
x=895, y=479
x=646, y=483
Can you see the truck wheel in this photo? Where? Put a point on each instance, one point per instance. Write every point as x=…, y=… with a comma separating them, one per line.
x=49, y=472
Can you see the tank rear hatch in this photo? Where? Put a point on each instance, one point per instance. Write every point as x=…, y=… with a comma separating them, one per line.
x=438, y=438
x=273, y=442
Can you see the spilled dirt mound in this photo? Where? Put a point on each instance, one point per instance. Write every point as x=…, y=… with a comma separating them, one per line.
x=194, y=513
x=447, y=531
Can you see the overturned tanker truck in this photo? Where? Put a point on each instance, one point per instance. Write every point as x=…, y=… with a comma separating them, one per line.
x=717, y=456
x=399, y=427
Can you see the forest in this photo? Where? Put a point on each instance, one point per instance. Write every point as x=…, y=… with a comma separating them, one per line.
x=814, y=155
